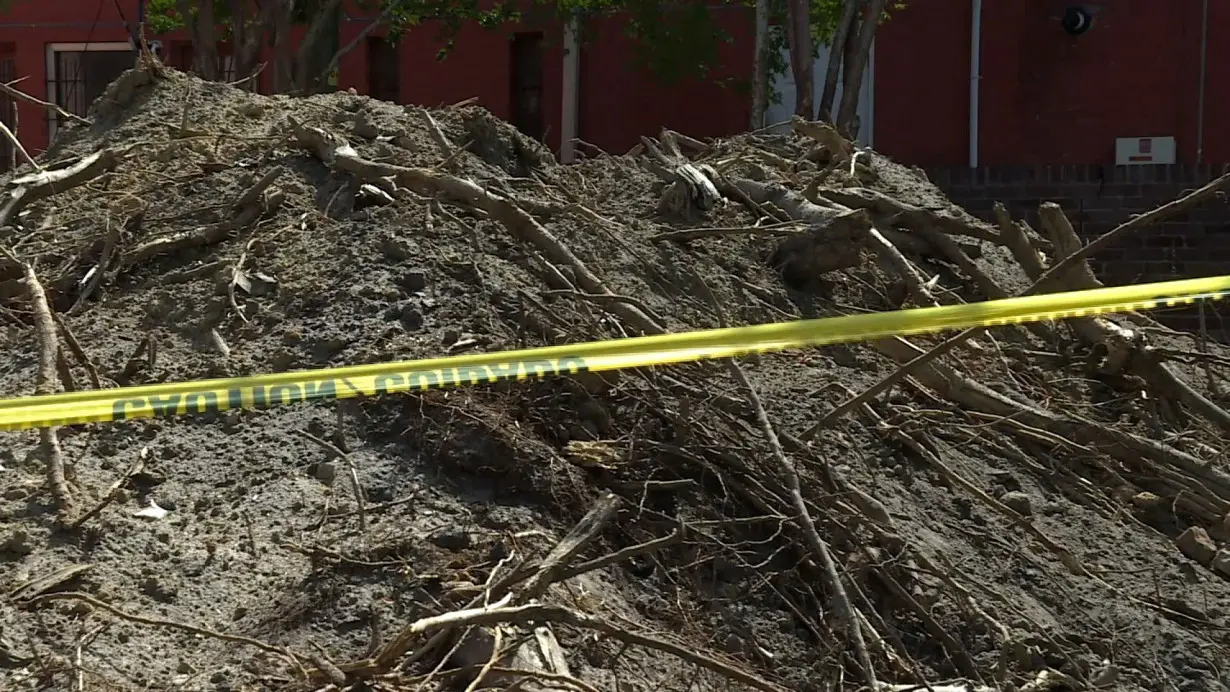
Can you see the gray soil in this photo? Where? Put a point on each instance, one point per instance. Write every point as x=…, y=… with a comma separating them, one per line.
x=1007, y=551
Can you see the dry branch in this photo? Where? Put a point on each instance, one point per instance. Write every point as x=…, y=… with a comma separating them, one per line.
x=819, y=548
x=169, y=624
x=1125, y=446
x=911, y=363
x=1125, y=347
x=839, y=148
x=45, y=379
x=837, y=236
x=553, y=568
x=17, y=147
x=336, y=153
x=1136, y=223
x=246, y=210
x=567, y=549
x=18, y=95
x=108, y=496
x=526, y=614
x=788, y=228
x=35, y=186
x=675, y=169
x=355, y=486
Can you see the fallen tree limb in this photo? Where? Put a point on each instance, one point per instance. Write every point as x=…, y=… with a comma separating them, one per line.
x=903, y=214
x=1167, y=210
x=45, y=379
x=336, y=153
x=51, y=107
x=842, y=606
x=169, y=624
x=1126, y=347
x=912, y=363
x=499, y=614
x=250, y=206
x=35, y=186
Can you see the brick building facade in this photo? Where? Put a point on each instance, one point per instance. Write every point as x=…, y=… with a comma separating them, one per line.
x=1098, y=198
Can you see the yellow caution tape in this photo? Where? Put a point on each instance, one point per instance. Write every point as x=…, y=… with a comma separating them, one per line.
x=260, y=391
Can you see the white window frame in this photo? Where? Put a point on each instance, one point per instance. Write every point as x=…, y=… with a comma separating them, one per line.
x=53, y=78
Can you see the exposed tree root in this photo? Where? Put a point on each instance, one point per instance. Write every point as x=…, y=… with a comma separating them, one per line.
x=45, y=383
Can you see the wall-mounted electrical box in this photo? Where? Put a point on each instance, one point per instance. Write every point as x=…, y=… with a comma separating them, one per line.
x=1135, y=151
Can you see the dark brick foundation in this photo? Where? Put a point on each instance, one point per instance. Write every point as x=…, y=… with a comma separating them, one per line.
x=1098, y=198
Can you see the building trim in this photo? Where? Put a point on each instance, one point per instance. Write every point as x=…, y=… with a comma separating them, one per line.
x=51, y=77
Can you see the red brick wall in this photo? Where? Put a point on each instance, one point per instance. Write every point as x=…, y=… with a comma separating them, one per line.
x=1046, y=97
x=1098, y=198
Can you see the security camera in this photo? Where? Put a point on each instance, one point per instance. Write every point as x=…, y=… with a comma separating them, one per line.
x=1076, y=20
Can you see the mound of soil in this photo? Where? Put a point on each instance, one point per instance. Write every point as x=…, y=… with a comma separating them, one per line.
x=1036, y=508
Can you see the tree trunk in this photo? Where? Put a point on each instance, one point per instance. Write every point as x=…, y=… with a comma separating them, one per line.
x=382, y=18
x=248, y=35
x=204, y=36
x=283, y=60
x=798, y=34
x=760, y=66
x=311, y=59
x=847, y=114
x=837, y=48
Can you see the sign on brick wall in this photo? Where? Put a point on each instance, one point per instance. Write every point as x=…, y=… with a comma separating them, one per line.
x=1136, y=151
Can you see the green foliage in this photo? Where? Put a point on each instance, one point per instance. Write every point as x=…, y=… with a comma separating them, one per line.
x=674, y=40
x=451, y=15
x=162, y=16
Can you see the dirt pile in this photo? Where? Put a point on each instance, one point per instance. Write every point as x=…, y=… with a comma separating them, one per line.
x=1037, y=508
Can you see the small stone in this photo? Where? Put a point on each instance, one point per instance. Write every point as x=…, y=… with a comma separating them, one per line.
x=364, y=128
x=19, y=492
x=1005, y=479
x=231, y=420
x=397, y=249
x=1105, y=676
x=414, y=280
x=452, y=539
x=411, y=318
x=1146, y=500
x=1221, y=562
x=17, y=543
x=1018, y=501
x=159, y=590
x=325, y=472
x=1196, y=544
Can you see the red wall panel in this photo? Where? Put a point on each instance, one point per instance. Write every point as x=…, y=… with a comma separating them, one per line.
x=618, y=103
x=922, y=83
x=1047, y=97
